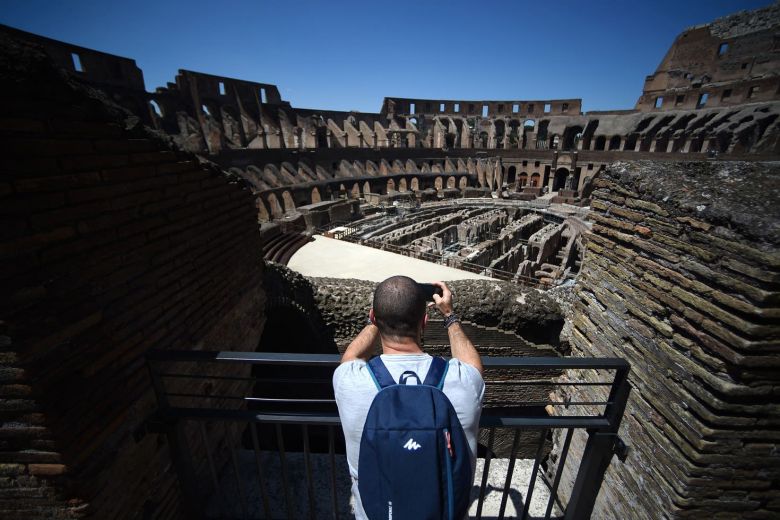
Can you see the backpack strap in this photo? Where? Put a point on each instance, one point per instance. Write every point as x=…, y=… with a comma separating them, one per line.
x=379, y=373
x=437, y=372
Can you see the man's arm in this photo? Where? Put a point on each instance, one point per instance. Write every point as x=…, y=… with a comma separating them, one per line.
x=363, y=345
x=462, y=347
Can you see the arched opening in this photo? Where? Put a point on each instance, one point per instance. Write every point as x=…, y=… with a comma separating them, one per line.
x=614, y=142
x=402, y=184
x=555, y=142
x=571, y=137
x=535, y=180
x=529, y=126
x=415, y=184
x=601, y=142
x=511, y=175
x=390, y=185
x=451, y=182
x=449, y=140
x=483, y=140
x=464, y=183
x=366, y=187
x=500, y=132
x=343, y=192
x=559, y=182
x=315, y=195
x=275, y=207
x=438, y=183
x=522, y=179
x=631, y=142
x=289, y=204
x=355, y=191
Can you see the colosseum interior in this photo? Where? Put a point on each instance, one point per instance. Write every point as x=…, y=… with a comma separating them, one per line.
x=199, y=217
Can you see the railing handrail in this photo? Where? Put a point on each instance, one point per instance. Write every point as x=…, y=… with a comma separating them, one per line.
x=288, y=358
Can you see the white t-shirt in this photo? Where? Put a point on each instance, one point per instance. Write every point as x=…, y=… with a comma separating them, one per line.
x=355, y=390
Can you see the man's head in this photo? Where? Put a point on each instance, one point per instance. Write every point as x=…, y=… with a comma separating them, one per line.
x=399, y=308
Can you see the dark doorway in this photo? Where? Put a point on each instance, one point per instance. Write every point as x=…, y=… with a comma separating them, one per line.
x=560, y=179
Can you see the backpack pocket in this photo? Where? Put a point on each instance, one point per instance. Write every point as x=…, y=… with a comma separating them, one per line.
x=404, y=480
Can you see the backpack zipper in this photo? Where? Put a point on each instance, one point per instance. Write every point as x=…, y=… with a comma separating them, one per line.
x=448, y=456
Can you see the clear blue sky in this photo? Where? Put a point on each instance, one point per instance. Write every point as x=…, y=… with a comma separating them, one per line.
x=344, y=55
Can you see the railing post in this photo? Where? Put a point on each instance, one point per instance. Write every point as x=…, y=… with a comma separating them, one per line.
x=598, y=452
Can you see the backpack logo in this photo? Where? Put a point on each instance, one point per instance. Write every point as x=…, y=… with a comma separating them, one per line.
x=412, y=445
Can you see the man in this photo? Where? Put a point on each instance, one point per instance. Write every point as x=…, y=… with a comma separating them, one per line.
x=397, y=318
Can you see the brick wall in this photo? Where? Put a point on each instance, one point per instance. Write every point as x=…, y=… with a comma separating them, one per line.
x=111, y=244
x=682, y=278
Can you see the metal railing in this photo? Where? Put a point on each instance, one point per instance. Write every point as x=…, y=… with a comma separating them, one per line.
x=185, y=414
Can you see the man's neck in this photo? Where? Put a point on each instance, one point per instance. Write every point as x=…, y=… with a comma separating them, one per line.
x=400, y=346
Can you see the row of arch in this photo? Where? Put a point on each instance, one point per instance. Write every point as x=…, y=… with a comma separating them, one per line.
x=275, y=204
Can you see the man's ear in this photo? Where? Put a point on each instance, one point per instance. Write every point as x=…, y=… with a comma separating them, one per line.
x=425, y=320
x=371, y=316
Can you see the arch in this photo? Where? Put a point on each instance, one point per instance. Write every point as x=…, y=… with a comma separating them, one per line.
x=355, y=191
x=402, y=184
x=438, y=183
x=315, y=195
x=554, y=141
x=464, y=183
x=415, y=184
x=451, y=182
x=289, y=204
x=522, y=179
x=366, y=187
x=511, y=175
x=535, y=178
x=559, y=182
x=614, y=142
x=390, y=185
x=275, y=207
x=601, y=142
x=571, y=137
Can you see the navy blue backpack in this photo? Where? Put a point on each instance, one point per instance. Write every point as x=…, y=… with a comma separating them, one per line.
x=414, y=456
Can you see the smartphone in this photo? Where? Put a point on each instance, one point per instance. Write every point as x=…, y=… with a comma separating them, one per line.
x=429, y=290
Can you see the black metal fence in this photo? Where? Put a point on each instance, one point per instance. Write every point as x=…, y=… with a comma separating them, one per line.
x=208, y=402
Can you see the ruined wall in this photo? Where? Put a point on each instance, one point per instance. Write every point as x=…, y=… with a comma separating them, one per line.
x=111, y=244
x=681, y=278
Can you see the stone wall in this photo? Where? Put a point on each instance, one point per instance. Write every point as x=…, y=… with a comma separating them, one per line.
x=682, y=279
x=111, y=244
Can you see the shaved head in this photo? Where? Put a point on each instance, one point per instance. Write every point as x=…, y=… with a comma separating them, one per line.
x=399, y=307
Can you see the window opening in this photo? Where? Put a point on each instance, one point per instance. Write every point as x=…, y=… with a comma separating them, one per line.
x=484, y=110
x=515, y=109
x=723, y=48
x=530, y=108
x=702, y=100
x=547, y=108
x=221, y=88
x=752, y=91
x=412, y=108
x=679, y=100
x=659, y=101
x=77, y=62
x=441, y=107
x=726, y=94
x=156, y=108
x=457, y=107
x=263, y=98
x=205, y=110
